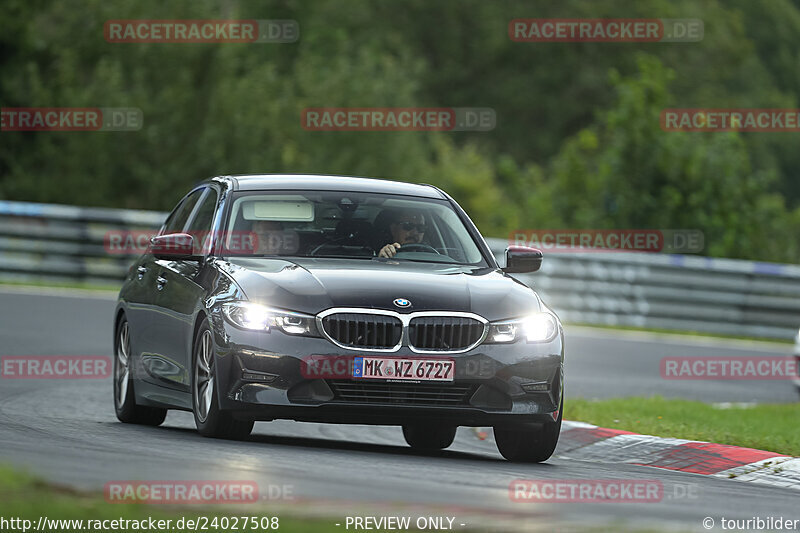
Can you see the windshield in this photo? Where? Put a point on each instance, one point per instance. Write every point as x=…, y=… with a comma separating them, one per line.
x=348, y=225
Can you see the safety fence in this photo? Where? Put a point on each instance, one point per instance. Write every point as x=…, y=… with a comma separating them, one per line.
x=43, y=242
x=681, y=292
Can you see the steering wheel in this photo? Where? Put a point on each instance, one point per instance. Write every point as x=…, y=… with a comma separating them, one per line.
x=418, y=247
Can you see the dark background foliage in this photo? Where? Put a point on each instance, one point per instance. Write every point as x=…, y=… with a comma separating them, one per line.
x=577, y=143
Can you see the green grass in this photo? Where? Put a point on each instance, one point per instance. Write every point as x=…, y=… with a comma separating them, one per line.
x=771, y=427
x=24, y=496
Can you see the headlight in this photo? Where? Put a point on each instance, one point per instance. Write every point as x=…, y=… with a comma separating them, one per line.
x=538, y=327
x=249, y=315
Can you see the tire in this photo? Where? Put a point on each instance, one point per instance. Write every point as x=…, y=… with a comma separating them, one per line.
x=210, y=421
x=528, y=445
x=429, y=437
x=124, y=396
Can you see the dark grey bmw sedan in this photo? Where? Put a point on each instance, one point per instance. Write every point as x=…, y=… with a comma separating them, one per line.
x=340, y=300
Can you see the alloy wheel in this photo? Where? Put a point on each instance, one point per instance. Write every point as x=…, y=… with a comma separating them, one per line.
x=204, y=376
x=123, y=371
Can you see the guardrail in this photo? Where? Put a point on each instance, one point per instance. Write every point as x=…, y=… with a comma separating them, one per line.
x=680, y=292
x=42, y=242
x=45, y=242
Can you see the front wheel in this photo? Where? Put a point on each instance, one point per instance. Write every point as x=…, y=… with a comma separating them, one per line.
x=529, y=445
x=124, y=398
x=210, y=421
x=428, y=437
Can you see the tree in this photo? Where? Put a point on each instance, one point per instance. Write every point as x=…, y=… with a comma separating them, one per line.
x=625, y=171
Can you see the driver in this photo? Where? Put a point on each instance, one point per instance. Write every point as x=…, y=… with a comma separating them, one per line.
x=406, y=228
x=268, y=237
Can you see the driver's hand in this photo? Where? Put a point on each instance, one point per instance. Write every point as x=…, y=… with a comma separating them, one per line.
x=389, y=250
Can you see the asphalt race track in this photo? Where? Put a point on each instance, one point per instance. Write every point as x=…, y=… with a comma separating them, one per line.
x=66, y=431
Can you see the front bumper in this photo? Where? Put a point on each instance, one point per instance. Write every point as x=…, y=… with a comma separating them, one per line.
x=267, y=376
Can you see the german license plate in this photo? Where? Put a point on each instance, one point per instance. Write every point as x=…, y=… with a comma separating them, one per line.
x=404, y=369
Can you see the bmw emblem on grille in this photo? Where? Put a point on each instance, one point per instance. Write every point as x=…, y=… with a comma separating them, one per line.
x=402, y=302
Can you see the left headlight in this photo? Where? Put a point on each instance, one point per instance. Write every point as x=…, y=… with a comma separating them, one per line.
x=249, y=315
x=538, y=327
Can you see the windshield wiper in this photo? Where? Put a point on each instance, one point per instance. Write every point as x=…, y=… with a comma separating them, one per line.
x=451, y=262
x=290, y=257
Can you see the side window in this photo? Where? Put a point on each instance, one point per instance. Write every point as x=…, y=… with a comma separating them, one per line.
x=204, y=214
x=177, y=220
x=200, y=225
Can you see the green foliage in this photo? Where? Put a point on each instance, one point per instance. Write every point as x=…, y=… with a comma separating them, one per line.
x=577, y=142
x=626, y=170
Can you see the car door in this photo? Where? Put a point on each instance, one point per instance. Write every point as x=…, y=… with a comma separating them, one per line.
x=145, y=316
x=180, y=293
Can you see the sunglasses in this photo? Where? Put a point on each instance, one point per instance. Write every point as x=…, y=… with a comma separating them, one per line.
x=408, y=226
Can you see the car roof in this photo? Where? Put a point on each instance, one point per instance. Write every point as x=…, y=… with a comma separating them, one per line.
x=321, y=182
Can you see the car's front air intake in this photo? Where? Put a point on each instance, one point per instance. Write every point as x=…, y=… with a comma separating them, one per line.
x=444, y=333
x=402, y=393
x=364, y=330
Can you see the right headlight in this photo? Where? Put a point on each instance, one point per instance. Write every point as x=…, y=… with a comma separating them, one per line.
x=537, y=327
x=249, y=315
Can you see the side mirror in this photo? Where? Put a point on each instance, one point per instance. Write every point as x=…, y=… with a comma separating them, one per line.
x=173, y=246
x=521, y=259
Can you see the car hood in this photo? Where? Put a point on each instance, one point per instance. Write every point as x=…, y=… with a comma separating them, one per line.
x=313, y=285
